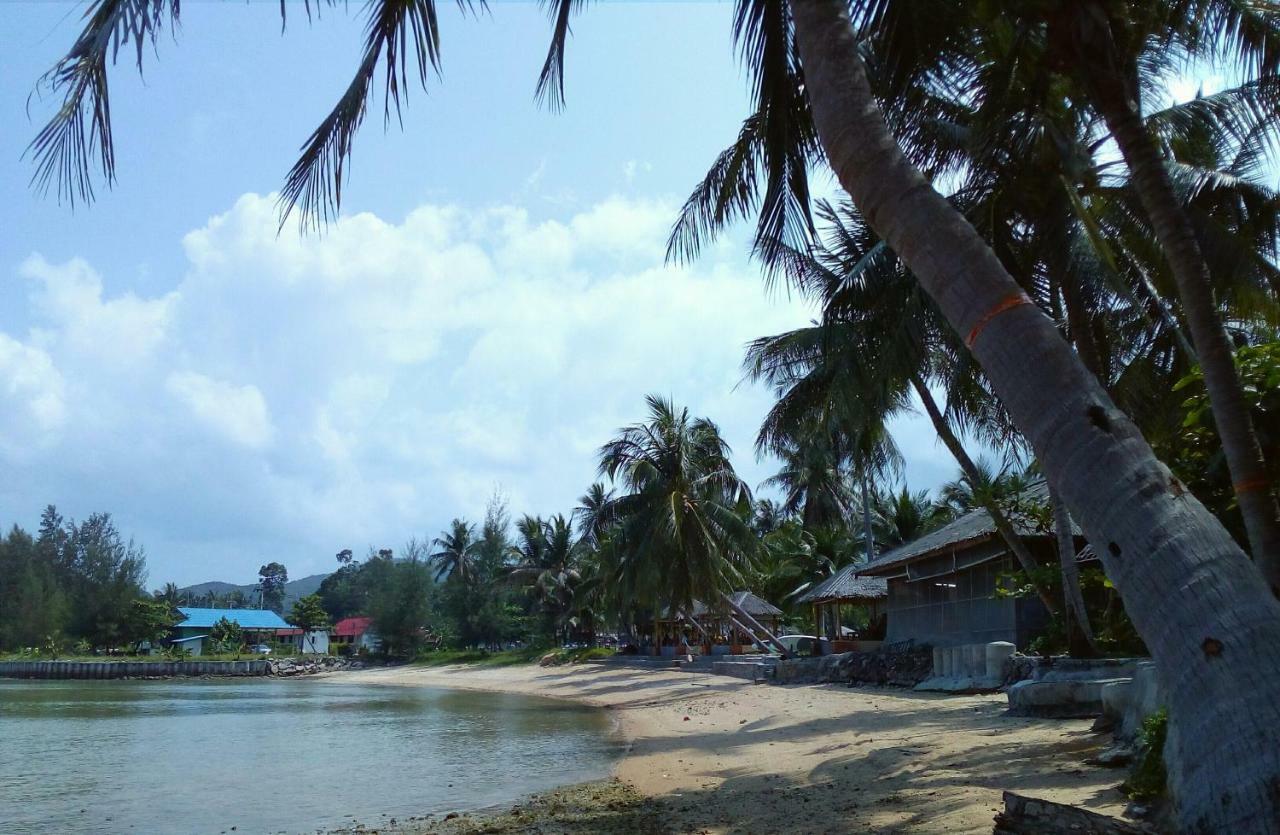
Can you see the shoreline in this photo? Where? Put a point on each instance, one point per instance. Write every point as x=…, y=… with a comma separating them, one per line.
x=712, y=754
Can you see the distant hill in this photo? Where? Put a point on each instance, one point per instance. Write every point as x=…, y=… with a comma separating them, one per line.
x=293, y=589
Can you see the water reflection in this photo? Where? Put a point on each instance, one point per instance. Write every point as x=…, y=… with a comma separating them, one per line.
x=271, y=756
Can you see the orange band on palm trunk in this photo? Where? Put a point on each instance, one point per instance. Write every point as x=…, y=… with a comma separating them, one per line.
x=1252, y=485
x=1009, y=302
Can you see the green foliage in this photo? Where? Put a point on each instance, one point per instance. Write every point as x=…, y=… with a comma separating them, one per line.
x=1114, y=631
x=308, y=613
x=226, y=636
x=272, y=578
x=1194, y=451
x=148, y=620
x=1149, y=778
x=72, y=582
x=400, y=601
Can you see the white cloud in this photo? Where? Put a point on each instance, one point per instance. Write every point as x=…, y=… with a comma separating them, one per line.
x=32, y=398
x=119, y=332
x=238, y=413
x=303, y=394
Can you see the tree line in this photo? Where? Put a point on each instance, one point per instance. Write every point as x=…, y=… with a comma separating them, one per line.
x=74, y=583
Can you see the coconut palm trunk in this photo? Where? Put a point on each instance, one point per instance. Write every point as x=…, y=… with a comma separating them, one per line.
x=1212, y=625
x=1080, y=640
x=1003, y=526
x=868, y=538
x=1120, y=109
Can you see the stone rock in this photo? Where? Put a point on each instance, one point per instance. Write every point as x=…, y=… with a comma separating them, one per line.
x=1116, y=756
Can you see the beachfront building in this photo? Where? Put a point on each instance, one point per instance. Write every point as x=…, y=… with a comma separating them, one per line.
x=715, y=629
x=313, y=642
x=258, y=625
x=942, y=586
x=356, y=633
x=837, y=600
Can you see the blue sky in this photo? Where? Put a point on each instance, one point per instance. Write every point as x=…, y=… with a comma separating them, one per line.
x=492, y=306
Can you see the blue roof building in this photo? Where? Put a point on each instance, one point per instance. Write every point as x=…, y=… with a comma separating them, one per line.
x=259, y=625
x=250, y=619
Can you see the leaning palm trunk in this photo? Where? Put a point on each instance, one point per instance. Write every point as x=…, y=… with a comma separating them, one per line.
x=1191, y=274
x=754, y=624
x=1077, y=618
x=1002, y=524
x=1211, y=624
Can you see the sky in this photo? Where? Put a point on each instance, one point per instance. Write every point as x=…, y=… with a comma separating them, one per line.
x=491, y=307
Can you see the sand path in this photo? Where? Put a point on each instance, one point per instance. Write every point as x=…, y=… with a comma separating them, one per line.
x=813, y=758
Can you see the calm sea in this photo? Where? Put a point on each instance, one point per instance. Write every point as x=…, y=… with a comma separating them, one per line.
x=276, y=756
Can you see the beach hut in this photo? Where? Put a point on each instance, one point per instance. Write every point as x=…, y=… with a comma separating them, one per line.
x=717, y=630
x=942, y=586
x=848, y=587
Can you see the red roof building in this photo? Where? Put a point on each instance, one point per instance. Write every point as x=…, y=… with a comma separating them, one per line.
x=356, y=631
x=351, y=627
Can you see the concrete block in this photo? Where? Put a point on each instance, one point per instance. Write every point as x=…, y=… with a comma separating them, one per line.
x=995, y=655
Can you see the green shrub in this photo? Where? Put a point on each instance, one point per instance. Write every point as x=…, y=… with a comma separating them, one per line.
x=1147, y=782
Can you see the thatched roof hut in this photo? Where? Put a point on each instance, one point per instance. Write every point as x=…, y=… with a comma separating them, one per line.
x=847, y=586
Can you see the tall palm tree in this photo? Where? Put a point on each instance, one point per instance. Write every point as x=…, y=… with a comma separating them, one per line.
x=813, y=480
x=457, y=552
x=814, y=102
x=593, y=513
x=679, y=535
x=547, y=557
x=1079, y=437
x=1110, y=44
x=905, y=516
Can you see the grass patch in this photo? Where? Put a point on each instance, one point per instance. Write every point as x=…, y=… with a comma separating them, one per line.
x=1147, y=782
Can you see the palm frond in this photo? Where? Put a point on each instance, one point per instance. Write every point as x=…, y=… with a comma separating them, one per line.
x=396, y=29
x=79, y=138
x=550, y=88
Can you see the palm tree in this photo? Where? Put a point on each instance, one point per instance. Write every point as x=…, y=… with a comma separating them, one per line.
x=1109, y=45
x=169, y=594
x=814, y=101
x=593, y=514
x=905, y=516
x=456, y=557
x=813, y=480
x=547, y=558
x=1093, y=456
x=679, y=534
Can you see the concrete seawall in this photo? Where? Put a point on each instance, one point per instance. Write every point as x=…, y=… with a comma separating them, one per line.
x=130, y=669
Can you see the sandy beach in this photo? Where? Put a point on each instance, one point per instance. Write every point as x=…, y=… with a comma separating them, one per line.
x=710, y=754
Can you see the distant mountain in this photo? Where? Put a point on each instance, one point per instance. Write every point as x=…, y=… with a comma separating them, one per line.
x=293, y=589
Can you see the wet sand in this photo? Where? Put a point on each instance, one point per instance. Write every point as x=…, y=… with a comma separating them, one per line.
x=710, y=754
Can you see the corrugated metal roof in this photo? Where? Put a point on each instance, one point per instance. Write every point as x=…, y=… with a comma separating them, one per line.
x=247, y=618
x=847, y=584
x=351, y=627
x=974, y=526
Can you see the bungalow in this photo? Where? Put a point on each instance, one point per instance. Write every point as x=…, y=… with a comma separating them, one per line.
x=831, y=598
x=942, y=586
x=357, y=633
x=314, y=642
x=258, y=626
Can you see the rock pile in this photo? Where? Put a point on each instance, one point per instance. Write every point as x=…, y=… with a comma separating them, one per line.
x=898, y=667
x=310, y=665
